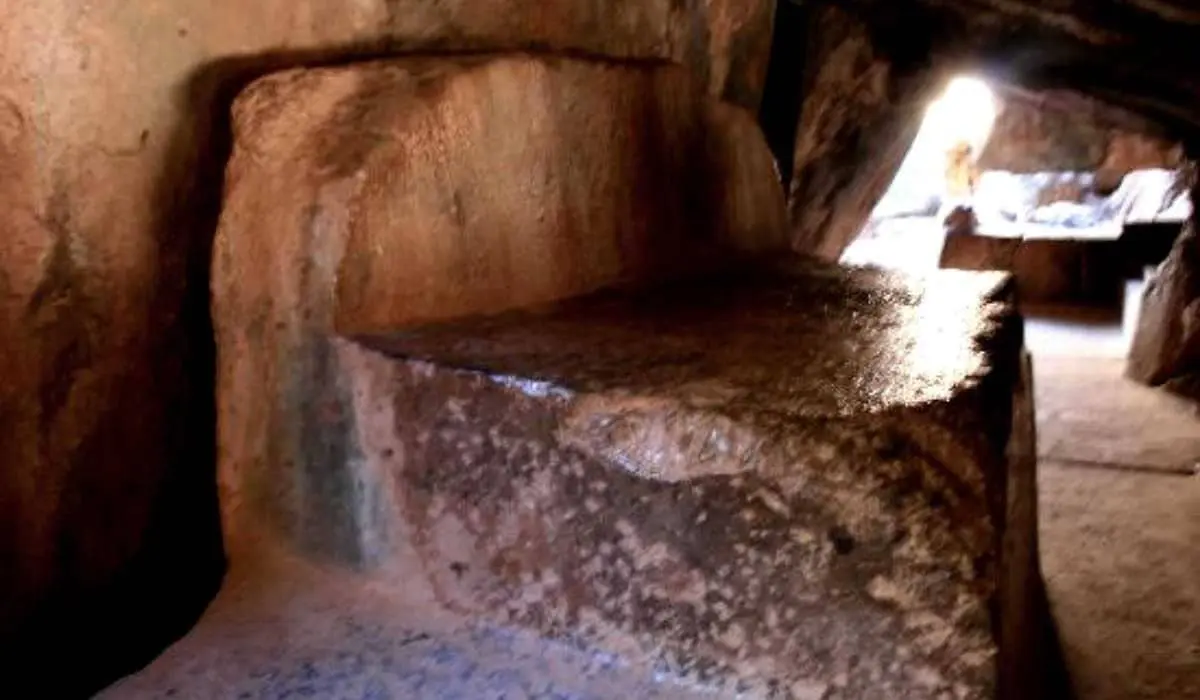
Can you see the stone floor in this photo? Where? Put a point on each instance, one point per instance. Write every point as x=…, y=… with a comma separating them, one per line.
x=1120, y=516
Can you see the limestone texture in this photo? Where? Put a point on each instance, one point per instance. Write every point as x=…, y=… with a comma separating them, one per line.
x=1166, y=344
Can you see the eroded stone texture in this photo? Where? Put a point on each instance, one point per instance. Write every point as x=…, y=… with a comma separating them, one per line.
x=1128, y=152
x=1166, y=345
x=788, y=481
x=374, y=195
x=862, y=109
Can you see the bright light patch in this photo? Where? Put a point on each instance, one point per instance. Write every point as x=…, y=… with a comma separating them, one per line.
x=966, y=112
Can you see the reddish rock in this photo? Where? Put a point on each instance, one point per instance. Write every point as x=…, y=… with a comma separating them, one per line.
x=601, y=470
x=364, y=197
x=1058, y=130
x=1047, y=270
x=739, y=49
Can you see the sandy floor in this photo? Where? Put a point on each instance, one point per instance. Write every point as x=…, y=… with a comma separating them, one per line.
x=1120, y=518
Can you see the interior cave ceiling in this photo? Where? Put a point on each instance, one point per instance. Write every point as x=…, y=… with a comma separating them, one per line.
x=1136, y=54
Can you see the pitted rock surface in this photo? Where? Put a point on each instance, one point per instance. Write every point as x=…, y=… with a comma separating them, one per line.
x=763, y=497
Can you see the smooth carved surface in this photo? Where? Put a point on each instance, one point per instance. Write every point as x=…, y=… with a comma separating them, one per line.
x=375, y=195
x=846, y=546
x=755, y=493
x=792, y=341
x=1070, y=271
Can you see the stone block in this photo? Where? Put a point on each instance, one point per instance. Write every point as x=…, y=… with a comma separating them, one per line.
x=787, y=481
x=372, y=195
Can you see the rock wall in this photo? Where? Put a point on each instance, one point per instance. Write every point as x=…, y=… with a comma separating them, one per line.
x=113, y=134
x=739, y=49
x=862, y=108
x=1057, y=130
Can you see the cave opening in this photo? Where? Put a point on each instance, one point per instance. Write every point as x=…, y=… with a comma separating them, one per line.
x=1078, y=199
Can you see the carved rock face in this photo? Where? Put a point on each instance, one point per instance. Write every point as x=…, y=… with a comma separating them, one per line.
x=860, y=113
x=368, y=196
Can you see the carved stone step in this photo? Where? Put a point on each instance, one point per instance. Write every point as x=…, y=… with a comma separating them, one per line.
x=784, y=478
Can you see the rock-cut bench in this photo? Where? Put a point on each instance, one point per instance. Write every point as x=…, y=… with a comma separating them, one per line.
x=776, y=477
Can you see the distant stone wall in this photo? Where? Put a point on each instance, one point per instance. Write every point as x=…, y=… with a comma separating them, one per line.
x=1062, y=131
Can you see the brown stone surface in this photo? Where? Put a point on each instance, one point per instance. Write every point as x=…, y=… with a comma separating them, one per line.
x=1166, y=344
x=860, y=113
x=1056, y=130
x=1118, y=529
x=739, y=49
x=1158, y=432
x=1047, y=270
x=113, y=133
x=286, y=628
x=503, y=181
x=819, y=485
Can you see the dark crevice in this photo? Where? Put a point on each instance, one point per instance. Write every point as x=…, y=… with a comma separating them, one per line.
x=783, y=94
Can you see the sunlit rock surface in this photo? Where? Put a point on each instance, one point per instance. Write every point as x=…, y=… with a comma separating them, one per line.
x=862, y=107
